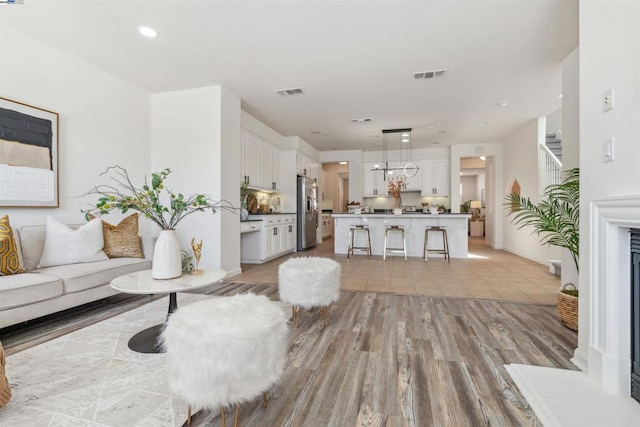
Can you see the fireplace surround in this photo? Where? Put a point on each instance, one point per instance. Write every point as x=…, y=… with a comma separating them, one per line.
x=604, y=350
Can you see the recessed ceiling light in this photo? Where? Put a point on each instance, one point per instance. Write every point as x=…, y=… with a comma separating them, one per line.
x=405, y=139
x=560, y=96
x=376, y=166
x=503, y=104
x=148, y=32
x=483, y=158
x=429, y=127
x=404, y=135
x=343, y=163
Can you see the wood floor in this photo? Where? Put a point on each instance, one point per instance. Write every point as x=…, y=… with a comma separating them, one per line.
x=389, y=360
x=487, y=274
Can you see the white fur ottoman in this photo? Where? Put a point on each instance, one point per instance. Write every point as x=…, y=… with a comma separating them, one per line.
x=309, y=282
x=224, y=351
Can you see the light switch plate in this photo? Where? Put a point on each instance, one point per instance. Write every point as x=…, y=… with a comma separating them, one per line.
x=607, y=147
x=607, y=100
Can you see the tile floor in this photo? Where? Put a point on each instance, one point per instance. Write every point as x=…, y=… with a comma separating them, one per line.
x=486, y=274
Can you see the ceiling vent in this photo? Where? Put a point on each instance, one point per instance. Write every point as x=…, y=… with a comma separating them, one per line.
x=289, y=92
x=429, y=74
x=367, y=120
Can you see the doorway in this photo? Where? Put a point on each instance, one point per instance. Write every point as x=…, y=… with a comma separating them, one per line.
x=335, y=187
x=473, y=195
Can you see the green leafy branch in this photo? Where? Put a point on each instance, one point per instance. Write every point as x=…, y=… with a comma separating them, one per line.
x=123, y=196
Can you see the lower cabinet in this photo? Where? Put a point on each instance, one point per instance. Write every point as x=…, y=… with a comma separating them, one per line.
x=277, y=237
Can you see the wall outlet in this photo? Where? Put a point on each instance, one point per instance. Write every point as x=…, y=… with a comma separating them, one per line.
x=607, y=100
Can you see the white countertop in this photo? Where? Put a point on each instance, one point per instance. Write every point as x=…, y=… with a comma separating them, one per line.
x=404, y=215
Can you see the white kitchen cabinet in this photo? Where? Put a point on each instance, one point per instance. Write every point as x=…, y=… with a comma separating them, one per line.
x=306, y=166
x=266, y=166
x=276, y=238
x=327, y=226
x=413, y=183
x=262, y=163
x=375, y=184
x=276, y=174
x=251, y=158
x=435, y=178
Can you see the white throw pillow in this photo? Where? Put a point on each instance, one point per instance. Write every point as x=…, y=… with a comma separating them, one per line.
x=66, y=246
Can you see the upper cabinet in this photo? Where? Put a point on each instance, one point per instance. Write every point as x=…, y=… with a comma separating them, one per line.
x=375, y=184
x=306, y=166
x=262, y=163
x=435, y=178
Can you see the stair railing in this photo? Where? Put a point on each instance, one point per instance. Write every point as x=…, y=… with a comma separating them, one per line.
x=550, y=168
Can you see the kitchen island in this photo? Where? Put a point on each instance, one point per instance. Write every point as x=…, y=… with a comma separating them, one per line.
x=414, y=226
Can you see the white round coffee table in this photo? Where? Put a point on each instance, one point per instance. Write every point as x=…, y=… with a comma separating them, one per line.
x=141, y=283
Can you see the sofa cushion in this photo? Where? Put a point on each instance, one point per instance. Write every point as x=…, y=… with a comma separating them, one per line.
x=64, y=245
x=79, y=277
x=27, y=288
x=9, y=259
x=122, y=240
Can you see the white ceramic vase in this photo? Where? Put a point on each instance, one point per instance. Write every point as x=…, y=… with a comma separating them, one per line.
x=167, y=258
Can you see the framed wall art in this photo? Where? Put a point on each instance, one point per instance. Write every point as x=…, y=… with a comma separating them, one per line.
x=28, y=155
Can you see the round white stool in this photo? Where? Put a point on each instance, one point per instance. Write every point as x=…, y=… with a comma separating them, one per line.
x=224, y=351
x=309, y=282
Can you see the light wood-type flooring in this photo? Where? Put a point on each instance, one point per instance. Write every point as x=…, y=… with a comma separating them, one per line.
x=486, y=274
x=408, y=344
x=385, y=360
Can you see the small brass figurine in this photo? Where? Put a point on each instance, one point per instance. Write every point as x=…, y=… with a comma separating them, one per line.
x=197, y=252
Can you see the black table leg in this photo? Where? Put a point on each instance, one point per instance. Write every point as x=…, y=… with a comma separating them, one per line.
x=146, y=341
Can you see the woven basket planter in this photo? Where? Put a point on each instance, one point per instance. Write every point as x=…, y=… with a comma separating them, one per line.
x=568, y=306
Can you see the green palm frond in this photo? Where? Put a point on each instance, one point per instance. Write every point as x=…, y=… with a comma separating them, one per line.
x=556, y=218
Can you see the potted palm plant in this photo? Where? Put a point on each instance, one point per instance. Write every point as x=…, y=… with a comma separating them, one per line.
x=556, y=219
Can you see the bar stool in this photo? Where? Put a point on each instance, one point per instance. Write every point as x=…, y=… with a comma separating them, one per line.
x=352, y=234
x=445, y=242
x=394, y=229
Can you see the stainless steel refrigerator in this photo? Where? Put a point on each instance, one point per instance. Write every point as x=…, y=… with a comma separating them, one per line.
x=307, y=213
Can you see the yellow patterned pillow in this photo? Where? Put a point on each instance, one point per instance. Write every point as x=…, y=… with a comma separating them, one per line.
x=122, y=240
x=9, y=261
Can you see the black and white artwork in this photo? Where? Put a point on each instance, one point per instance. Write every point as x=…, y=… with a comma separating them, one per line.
x=28, y=155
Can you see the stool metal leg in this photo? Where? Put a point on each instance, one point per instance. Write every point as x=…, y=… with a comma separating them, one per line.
x=369, y=238
x=426, y=241
x=404, y=245
x=265, y=399
x=350, y=249
x=188, y=415
x=446, y=246
x=223, y=420
x=384, y=256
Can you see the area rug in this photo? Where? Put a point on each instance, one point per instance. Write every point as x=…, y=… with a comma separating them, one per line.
x=91, y=378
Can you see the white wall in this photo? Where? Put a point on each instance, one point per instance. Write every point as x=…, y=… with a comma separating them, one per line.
x=521, y=163
x=570, y=139
x=197, y=134
x=609, y=59
x=103, y=121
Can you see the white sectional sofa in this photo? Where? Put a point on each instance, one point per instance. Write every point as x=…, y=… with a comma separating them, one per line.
x=42, y=291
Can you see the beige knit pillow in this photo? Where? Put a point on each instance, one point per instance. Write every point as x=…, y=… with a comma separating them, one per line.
x=122, y=240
